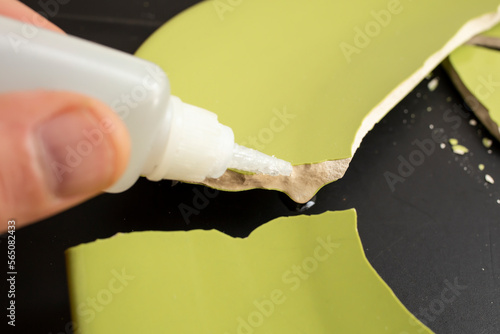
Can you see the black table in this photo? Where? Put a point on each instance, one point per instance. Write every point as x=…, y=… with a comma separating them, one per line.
x=438, y=226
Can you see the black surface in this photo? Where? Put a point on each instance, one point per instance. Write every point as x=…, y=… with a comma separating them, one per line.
x=440, y=226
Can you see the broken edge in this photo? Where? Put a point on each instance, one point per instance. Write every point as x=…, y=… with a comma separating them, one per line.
x=301, y=186
x=479, y=109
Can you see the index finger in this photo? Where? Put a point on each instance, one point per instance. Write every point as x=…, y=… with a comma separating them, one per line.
x=19, y=11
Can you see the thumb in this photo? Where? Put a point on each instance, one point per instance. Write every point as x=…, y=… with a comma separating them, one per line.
x=57, y=149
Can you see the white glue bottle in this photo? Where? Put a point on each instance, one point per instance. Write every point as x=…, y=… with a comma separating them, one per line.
x=170, y=139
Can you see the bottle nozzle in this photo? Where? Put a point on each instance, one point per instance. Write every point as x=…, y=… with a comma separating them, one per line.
x=194, y=145
x=249, y=160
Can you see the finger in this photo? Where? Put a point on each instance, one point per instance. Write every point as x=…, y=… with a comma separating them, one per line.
x=58, y=149
x=21, y=12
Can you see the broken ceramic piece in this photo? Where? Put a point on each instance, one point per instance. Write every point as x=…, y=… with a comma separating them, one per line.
x=304, y=274
x=475, y=71
x=307, y=81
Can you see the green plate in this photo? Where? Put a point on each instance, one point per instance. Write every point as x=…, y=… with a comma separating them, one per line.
x=293, y=275
x=306, y=80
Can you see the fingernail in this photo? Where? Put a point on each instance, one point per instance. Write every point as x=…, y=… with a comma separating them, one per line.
x=76, y=153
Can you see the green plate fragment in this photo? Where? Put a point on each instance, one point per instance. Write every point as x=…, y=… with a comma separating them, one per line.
x=292, y=275
x=475, y=71
x=305, y=81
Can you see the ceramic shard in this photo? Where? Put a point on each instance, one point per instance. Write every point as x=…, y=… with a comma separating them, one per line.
x=307, y=81
x=292, y=275
x=301, y=186
x=475, y=71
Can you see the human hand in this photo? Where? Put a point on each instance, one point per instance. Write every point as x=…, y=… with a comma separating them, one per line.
x=38, y=129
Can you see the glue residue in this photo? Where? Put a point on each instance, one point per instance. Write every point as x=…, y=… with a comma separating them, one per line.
x=250, y=160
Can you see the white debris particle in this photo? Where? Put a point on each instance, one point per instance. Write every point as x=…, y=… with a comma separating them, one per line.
x=307, y=206
x=490, y=151
x=460, y=149
x=432, y=85
x=442, y=145
x=429, y=109
x=419, y=94
x=473, y=122
x=489, y=179
x=457, y=149
x=498, y=201
x=405, y=111
x=431, y=126
x=487, y=142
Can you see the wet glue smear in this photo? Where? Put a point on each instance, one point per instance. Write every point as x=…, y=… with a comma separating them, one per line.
x=250, y=160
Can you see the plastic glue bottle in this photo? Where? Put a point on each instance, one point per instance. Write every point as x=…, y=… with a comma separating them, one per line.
x=170, y=139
